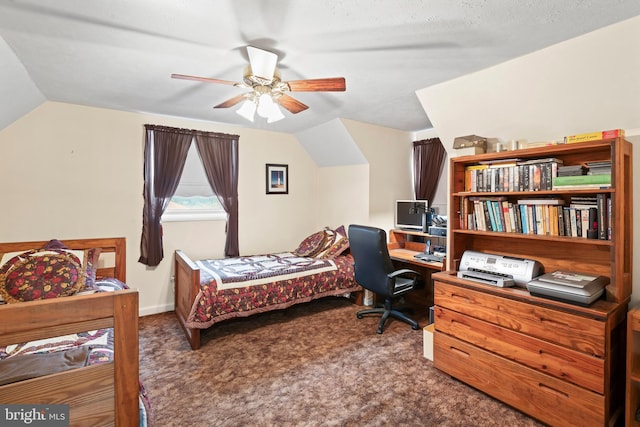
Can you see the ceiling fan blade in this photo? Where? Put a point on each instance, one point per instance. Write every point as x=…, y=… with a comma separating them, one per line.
x=331, y=84
x=293, y=105
x=263, y=62
x=232, y=101
x=203, y=79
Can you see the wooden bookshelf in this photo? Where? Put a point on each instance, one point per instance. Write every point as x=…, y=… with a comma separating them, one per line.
x=558, y=362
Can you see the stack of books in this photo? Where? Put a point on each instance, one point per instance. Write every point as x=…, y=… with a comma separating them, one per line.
x=580, y=182
x=594, y=136
x=572, y=170
x=599, y=168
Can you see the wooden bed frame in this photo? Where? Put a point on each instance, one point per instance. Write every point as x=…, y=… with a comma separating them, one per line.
x=186, y=288
x=105, y=394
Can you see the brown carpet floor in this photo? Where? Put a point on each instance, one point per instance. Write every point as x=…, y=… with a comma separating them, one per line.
x=314, y=364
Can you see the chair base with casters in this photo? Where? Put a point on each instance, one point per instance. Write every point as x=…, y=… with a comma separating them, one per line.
x=387, y=311
x=375, y=271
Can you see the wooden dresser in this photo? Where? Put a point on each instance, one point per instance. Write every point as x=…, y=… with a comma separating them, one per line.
x=560, y=363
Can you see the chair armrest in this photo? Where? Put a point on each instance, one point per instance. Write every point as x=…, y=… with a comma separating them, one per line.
x=403, y=272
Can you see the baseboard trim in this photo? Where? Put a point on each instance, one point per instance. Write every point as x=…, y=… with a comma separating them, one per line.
x=147, y=311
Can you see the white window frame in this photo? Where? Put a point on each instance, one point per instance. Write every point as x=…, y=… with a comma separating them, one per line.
x=194, y=214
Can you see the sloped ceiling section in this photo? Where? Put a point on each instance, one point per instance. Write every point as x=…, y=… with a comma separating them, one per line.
x=585, y=84
x=330, y=144
x=21, y=95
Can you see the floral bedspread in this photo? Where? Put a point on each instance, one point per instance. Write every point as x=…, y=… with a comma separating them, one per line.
x=239, y=287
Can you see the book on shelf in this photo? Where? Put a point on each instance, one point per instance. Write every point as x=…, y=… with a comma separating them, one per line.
x=582, y=187
x=603, y=215
x=500, y=163
x=542, y=160
x=571, y=170
x=599, y=168
x=541, y=201
x=581, y=181
x=594, y=136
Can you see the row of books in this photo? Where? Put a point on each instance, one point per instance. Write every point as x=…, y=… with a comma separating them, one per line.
x=512, y=175
x=548, y=217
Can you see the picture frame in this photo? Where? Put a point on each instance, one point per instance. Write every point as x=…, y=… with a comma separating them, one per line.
x=277, y=178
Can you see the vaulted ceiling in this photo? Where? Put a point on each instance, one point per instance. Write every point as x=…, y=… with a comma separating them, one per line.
x=120, y=54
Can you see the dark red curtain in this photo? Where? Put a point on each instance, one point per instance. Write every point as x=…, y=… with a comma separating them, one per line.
x=428, y=159
x=219, y=155
x=165, y=153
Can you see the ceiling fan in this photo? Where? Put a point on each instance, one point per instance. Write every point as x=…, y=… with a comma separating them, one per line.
x=267, y=89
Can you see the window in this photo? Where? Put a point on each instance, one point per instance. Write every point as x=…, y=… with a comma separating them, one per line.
x=194, y=199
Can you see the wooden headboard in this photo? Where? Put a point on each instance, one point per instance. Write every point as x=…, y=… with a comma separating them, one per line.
x=113, y=257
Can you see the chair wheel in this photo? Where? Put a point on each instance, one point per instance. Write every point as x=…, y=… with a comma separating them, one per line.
x=359, y=316
x=415, y=328
x=379, y=330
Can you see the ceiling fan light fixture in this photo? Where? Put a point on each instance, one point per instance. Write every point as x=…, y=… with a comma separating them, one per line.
x=263, y=62
x=247, y=110
x=265, y=105
x=276, y=114
x=268, y=108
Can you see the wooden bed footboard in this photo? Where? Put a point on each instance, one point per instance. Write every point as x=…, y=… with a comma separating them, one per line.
x=186, y=288
x=97, y=395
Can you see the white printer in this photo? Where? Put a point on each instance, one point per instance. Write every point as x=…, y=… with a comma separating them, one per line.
x=497, y=270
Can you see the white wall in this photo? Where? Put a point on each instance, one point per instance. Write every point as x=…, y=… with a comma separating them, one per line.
x=70, y=171
x=388, y=152
x=342, y=196
x=586, y=84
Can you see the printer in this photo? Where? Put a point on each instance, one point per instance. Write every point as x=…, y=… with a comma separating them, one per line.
x=497, y=270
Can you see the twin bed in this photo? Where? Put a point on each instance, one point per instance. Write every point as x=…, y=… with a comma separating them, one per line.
x=104, y=388
x=210, y=291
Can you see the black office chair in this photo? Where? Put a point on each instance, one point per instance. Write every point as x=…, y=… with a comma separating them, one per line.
x=375, y=272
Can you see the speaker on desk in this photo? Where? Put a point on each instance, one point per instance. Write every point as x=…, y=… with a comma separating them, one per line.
x=426, y=221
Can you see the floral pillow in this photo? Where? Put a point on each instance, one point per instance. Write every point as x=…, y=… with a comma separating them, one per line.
x=47, y=273
x=337, y=243
x=311, y=245
x=89, y=258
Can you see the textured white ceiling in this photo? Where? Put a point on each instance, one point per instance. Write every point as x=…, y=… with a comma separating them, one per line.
x=119, y=54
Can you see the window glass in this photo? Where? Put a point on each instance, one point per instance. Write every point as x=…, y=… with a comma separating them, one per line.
x=194, y=199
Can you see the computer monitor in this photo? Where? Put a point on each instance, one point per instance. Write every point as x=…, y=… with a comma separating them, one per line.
x=412, y=214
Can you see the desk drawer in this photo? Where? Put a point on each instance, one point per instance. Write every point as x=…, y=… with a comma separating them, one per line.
x=561, y=362
x=544, y=397
x=569, y=330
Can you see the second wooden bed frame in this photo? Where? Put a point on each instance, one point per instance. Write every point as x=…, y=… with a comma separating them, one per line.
x=97, y=395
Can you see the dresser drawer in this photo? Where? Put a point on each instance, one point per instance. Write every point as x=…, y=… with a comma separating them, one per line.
x=561, y=362
x=544, y=397
x=569, y=330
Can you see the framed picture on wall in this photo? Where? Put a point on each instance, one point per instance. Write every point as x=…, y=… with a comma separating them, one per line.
x=277, y=179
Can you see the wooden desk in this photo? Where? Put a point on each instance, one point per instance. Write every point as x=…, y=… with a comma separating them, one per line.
x=403, y=245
